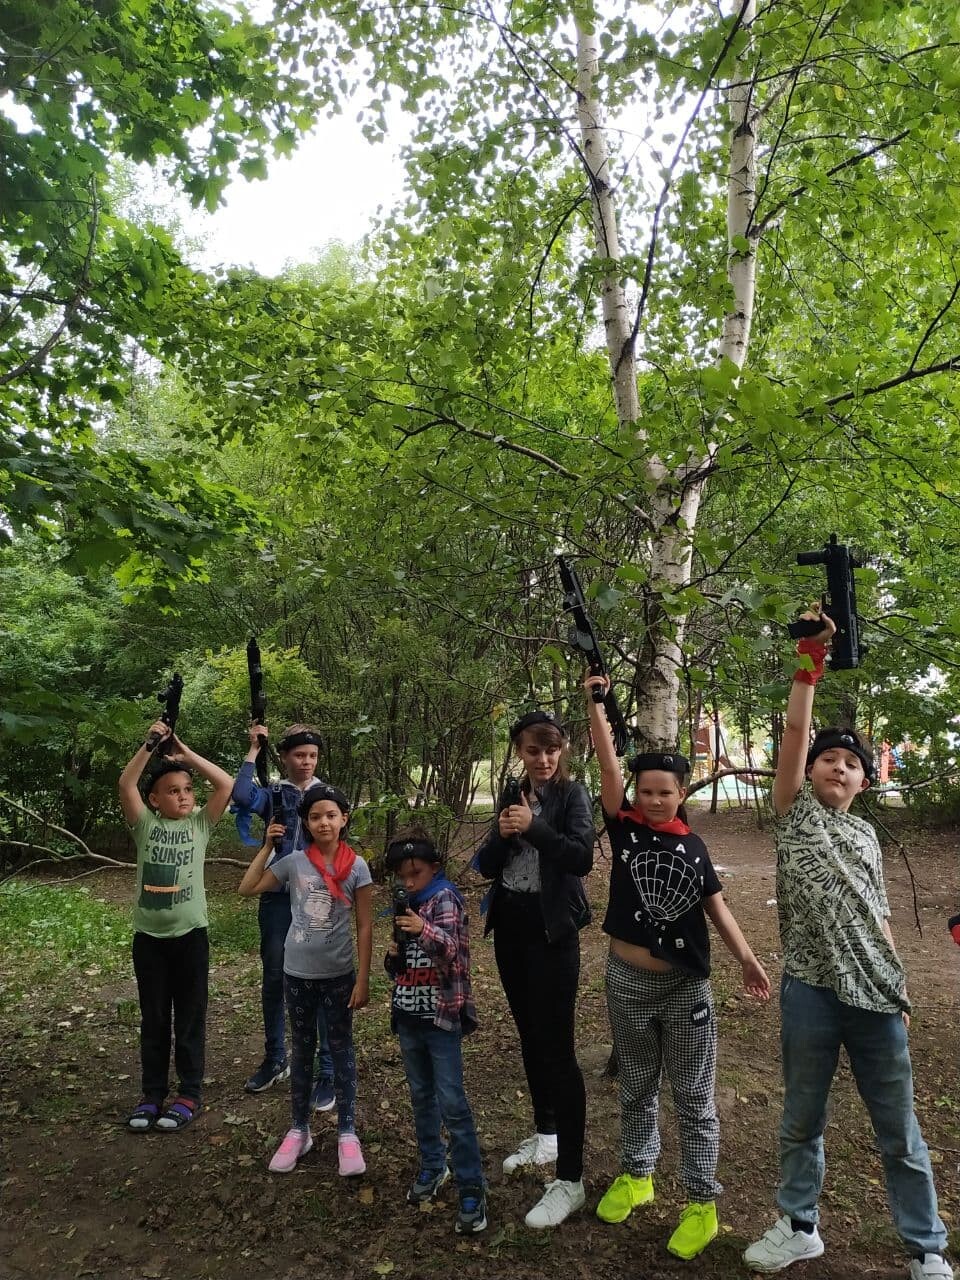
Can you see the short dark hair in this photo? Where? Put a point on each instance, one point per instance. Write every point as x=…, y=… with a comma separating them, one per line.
x=163, y=768
x=411, y=842
x=323, y=791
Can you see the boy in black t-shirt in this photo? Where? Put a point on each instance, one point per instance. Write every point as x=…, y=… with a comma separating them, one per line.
x=662, y=885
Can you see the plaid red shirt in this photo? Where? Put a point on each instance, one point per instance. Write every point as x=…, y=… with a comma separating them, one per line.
x=446, y=940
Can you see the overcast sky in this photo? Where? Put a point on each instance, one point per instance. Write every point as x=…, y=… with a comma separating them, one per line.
x=329, y=189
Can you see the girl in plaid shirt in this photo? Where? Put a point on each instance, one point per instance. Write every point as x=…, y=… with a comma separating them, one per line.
x=431, y=1010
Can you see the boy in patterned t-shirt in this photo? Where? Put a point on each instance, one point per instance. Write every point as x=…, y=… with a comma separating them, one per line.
x=171, y=957
x=843, y=985
x=431, y=1009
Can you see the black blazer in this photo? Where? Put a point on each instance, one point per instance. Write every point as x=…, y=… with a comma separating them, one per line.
x=564, y=835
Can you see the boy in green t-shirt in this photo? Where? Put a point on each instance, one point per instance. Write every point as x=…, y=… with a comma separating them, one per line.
x=170, y=948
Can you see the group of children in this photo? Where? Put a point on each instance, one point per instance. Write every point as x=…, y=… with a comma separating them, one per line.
x=843, y=983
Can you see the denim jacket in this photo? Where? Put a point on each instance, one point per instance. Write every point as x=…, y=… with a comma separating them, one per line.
x=250, y=798
x=563, y=833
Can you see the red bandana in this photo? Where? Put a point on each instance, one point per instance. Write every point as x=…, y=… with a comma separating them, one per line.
x=675, y=827
x=343, y=861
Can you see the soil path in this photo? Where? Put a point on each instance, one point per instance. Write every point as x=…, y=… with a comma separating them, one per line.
x=82, y=1197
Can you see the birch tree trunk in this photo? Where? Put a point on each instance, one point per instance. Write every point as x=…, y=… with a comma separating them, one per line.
x=675, y=504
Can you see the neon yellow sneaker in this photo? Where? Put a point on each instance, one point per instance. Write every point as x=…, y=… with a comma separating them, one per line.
x=624, y=1195
x=695, y=1230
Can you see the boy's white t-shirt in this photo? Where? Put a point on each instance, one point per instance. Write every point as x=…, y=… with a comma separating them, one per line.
x=832, y=904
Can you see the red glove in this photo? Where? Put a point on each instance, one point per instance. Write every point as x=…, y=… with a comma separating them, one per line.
x=816, y=650
x=953, y=924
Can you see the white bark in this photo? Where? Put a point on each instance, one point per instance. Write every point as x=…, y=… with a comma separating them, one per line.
x=617, y=323
x=675, y=508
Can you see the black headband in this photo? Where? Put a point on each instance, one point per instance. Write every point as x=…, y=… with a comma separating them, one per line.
x=841, y=739
x=305, y=739
x=669, y=762
x=165, y=767
x=399, y=851
x=534, y=718
x=323, y=791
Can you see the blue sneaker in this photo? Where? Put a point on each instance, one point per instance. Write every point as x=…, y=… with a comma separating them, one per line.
x=428, y=1183
x=323, y=1098
x=472, y=1214
x=267, y=1074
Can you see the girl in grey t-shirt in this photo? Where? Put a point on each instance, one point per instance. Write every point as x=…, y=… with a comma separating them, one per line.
x=328, y=884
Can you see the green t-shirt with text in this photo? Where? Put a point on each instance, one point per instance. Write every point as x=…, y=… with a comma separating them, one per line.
x=171, y=899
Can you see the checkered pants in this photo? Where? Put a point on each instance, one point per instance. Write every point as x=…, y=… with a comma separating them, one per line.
x=666, y=1020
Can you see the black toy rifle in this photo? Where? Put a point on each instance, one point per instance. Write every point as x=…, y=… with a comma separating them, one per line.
x=258, y=705
x=170, y=698
x=583, y=637
x=278, y=811
x=839, y=604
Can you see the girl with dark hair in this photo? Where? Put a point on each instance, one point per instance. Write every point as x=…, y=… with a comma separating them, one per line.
x=328, y=882
x=662, y=888
x=536, y=854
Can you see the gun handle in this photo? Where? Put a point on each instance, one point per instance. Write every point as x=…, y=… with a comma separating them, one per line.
x=153, y=742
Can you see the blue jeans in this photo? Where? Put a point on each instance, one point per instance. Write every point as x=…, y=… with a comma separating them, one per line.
x=274, y=920
x=433, y=1062
x=814, y=1024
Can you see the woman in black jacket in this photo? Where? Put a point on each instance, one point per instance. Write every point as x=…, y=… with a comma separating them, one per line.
x=536, y=855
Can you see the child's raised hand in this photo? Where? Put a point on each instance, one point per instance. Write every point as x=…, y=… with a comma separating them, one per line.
x=360, y=995
x=256, y=732
x=158, y=730
x=815, y=614
x=591, y=681
x=755, y=980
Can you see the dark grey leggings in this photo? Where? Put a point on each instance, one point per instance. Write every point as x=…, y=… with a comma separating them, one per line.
x=304, y=998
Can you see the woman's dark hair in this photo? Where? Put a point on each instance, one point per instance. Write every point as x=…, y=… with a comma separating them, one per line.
x=548, y=735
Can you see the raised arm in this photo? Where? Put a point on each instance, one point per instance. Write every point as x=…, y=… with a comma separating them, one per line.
x=611, y=777
x=219, y=779
x=256, y=879
x=131, y=802
x=792, y=760
x=247, y=792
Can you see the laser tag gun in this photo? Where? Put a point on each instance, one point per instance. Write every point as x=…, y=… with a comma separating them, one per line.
x=170, y=699
x=258, y=705
x=582, y=637
x=839, y=604
x=279, y=810
x=510, y=794
x=401, y=902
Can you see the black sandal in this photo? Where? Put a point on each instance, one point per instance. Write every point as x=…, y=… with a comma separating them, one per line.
x=178, y=1115
x=144, y=1116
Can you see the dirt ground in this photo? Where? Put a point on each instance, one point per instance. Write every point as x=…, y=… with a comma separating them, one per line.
x=83, y=1197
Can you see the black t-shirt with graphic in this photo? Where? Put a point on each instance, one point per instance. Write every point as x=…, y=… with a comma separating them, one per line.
x=416, y=986
x=657, y=885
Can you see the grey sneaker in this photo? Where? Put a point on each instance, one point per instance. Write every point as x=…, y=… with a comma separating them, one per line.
x=428, y=1182
x=472, y=1214
x=267, y=1074
x=781, y=1246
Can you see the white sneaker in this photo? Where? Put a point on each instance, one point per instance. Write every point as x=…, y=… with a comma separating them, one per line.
x=559, y=1200
x=933, y=1267
x=540, y=1149
x=781, y=1246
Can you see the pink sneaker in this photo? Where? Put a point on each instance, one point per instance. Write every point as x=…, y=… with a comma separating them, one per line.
x=351, y=1157
x=295, y=1144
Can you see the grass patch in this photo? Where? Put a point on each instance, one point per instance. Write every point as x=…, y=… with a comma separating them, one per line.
x=55, y=927
x=233, y=926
